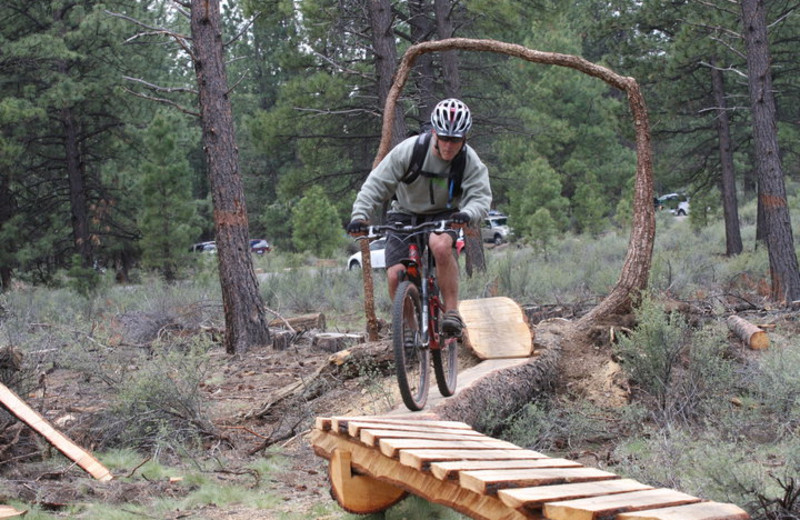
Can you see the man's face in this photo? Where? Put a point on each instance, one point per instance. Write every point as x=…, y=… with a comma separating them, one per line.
x=447, y=147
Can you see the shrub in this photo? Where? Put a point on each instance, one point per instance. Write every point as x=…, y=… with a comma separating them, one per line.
x=650, y=355
x=159, y=405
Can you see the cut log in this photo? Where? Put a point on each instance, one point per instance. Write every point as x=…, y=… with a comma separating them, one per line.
x=446, y=492
x=496, y=328
x=10, y=512
x=357, y=493
x=14, y=404
x=335, y=341
x=304, y=322
x=753, y=337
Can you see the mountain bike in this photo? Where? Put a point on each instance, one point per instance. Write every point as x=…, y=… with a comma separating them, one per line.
x=417, y=312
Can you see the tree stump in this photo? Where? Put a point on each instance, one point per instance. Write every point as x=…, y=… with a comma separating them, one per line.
x=281, y=339
x=753, y=337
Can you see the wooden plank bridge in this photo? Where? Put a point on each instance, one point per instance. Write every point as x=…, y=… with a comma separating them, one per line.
x=376, y=461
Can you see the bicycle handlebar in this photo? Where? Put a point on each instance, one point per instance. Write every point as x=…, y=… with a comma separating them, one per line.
x=378, y=230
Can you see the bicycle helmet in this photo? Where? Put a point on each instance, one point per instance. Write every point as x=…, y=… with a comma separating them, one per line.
x=451, y=118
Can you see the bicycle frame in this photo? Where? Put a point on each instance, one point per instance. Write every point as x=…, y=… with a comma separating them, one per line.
x=422, y=275
x=417, y=306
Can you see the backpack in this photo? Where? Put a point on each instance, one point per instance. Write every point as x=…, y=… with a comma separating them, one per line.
x=457, y=165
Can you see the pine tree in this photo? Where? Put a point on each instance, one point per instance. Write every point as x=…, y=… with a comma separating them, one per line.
x=168, y=216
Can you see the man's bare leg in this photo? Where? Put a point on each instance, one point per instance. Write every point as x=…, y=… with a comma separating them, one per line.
x=446, y=268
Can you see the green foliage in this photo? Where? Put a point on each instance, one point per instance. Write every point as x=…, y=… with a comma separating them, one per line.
x=316, y=225
x=167, y=214
x=83, y=280
x=542, y=228
x=651, y=354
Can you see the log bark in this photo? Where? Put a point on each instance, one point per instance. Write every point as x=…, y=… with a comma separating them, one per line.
x=753, y=337
x=506, y=391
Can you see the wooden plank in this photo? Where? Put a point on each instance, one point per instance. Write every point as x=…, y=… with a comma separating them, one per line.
x=699, y=511
x=322, y=423
x=391, y=447
x=341, y=424
x=369, y=462
x=450, y=470
x=490, y=481
x=422, y=459
x=355, y=427
x=14, y=404
x=371, y=437
x=535, y=497
x=496, y=328
x=611, y=505
x=10, y=512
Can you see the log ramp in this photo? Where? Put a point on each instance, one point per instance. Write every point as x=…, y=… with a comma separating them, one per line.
x=374, y=462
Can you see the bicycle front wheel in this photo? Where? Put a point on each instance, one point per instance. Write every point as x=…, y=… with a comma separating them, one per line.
x=445, y=363
x=410, y=355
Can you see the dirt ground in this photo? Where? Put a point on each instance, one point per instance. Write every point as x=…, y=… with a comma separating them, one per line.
x=235, y=394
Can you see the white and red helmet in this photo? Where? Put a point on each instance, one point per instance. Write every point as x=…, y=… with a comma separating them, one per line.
x=451, y=118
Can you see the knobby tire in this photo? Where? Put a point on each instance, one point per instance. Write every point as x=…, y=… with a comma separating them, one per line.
x=445, y=362
x=411, y=358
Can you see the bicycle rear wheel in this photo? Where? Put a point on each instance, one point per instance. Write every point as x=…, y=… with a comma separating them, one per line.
x=410, y=355
x=445, y=362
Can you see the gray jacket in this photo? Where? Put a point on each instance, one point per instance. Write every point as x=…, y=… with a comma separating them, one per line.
x=385, y=181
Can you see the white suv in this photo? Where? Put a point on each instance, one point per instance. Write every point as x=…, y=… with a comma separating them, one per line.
x=495, y=228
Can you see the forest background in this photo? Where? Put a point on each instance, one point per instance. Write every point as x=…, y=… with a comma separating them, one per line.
x=102, y=163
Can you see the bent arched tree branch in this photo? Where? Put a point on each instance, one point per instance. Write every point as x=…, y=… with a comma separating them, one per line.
x=636, y=268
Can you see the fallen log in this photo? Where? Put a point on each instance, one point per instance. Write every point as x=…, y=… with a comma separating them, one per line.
x=751, y=335
x=299, y=323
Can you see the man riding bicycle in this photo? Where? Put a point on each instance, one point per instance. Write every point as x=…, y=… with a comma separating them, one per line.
x=433, y=194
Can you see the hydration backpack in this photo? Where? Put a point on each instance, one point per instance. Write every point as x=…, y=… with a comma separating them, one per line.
x=455, y=176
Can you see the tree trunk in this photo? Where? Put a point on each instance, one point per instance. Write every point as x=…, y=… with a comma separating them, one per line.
x=245, y=323
x=7, y=210
x=783, y=265
x=385, y=51
x=77, y=189
x=444, y=28
x=730, y=206
x=422, y=30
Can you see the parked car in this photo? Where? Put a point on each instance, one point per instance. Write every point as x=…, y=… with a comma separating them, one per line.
x=495, y=228
x=204, y=247
x=377, y=256
x=259, y=246
x=676, y=203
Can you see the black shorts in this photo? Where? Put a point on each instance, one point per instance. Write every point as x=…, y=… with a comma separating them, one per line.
x=397, y=245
